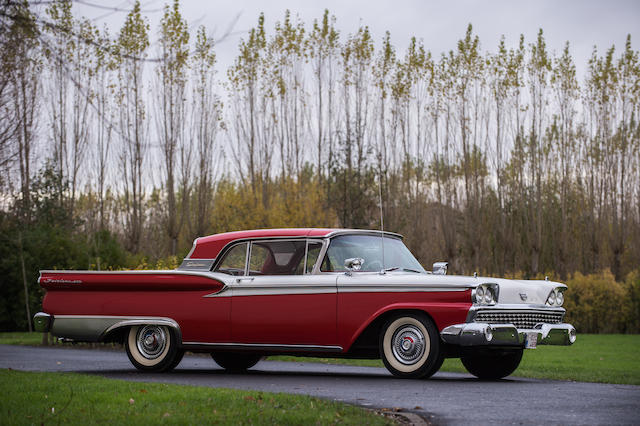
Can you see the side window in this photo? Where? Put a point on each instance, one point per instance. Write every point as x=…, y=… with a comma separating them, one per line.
x=258, y=258
x=234, y=260
x=276, y=257
x=313, y=251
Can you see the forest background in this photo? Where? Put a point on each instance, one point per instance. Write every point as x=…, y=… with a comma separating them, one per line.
x=116, y=153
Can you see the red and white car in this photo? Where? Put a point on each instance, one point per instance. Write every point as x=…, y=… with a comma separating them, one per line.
x=332, y=292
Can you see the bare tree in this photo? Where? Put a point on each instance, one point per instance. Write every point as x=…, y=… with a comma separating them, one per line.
x=130, y=52
x=323, y=49
x=206, y=116
x=170, y=118
x=72, y=64
x=251, y=134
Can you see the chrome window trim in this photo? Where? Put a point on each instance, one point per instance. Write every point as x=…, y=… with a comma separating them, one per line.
x=193, y=248
x=316, y=267
x=321, y=255
x=223, y=252
x=363, y=232
x=247, y=259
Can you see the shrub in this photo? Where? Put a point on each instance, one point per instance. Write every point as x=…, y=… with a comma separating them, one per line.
x=596, y=303
x=632, y=302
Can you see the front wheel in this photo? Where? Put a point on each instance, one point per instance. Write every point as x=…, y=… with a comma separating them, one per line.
x=153, y=348
x=492, y=364
x=236, y=362
x=410, y=346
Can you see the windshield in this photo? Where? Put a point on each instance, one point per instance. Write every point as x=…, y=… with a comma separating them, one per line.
x=369, y=248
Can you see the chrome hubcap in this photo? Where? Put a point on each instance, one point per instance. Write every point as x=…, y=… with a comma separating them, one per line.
x=408, y=344
x=151, y=341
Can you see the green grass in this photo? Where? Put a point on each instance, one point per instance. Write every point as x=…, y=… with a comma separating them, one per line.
x=38, y=398
x=602, y=358
x=20, y=338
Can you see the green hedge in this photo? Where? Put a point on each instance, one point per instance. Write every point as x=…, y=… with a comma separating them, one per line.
x=597, y=303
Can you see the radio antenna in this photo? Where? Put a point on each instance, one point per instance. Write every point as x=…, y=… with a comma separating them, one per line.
x=381, y=214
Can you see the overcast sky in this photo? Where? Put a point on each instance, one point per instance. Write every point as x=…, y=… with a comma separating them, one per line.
x=584, y=23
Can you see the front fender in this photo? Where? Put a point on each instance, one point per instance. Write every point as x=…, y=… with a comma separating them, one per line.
x=443, y=315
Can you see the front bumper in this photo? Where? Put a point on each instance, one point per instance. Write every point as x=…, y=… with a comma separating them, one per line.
x=483, y=334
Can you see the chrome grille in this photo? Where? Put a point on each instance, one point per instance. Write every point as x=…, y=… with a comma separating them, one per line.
x=521, y=319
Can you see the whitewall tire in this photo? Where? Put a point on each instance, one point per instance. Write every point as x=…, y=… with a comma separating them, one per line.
x=153, y=348
x=410, y=346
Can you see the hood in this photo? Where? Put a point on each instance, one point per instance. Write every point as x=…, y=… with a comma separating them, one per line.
x=526, y=292
x=530, y=292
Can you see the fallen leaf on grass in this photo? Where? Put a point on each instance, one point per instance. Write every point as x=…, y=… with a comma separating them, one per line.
x=143, y=391
x=249, y=398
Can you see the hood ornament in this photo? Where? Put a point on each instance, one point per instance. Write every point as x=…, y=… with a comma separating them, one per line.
x=523, y=296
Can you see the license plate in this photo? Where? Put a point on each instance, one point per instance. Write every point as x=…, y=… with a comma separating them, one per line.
x=531, y=341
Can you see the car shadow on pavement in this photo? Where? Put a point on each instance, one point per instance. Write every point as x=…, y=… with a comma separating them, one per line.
x=382, y=376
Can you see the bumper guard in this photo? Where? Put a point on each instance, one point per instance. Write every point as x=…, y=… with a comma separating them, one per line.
x=42, y=322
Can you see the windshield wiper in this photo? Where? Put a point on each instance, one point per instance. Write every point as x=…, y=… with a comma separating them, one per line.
x=398, y=268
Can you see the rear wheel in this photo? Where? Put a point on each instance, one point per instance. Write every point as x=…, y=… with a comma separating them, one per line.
x=236, y=362
x=492, y=364
x=153, y=348
x=410, y=346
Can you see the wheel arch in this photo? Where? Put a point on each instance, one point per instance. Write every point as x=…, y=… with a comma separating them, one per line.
x=118, y=331
x=365, y=340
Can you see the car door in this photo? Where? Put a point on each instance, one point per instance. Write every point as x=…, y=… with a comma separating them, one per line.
x=280, y=301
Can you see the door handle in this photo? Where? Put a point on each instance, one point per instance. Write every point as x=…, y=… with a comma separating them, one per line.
x=239, y=280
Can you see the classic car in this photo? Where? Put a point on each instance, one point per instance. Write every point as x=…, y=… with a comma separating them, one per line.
x=244, y=295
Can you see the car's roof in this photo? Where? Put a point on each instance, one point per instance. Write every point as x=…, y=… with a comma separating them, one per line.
x=209, y=247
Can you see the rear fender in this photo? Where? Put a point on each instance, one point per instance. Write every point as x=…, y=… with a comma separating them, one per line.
x=98, y=328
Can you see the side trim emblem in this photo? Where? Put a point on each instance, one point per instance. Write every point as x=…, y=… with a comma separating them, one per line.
x=523, y=296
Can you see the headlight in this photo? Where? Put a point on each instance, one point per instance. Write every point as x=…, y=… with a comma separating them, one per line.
x=486, y=294
x=556, y=297
x=551, y=300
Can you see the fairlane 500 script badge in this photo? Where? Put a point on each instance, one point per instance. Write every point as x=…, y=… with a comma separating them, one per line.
x=60, y=281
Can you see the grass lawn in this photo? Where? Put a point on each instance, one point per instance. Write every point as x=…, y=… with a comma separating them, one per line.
x=604, y=358
x=38, y=398
x=20, y=338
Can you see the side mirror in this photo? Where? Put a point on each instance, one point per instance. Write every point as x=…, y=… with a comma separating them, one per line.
x=353, y=264
x=440, y=268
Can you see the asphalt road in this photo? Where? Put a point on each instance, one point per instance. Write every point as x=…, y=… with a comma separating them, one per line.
x=447, y=398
